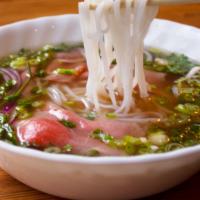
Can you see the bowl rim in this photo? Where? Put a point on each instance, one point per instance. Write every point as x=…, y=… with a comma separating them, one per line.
x=67, y=158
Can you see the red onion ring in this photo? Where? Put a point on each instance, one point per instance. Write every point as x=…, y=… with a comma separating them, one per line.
x=8, y=107
x=5, y=74
x=11, y=74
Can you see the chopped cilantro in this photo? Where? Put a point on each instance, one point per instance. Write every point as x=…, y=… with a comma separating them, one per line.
x=6, y=130
x=68, y=123
x=172, y=64
x=100, y=135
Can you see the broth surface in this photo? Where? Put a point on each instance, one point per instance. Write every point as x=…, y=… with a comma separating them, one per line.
x=43, y=105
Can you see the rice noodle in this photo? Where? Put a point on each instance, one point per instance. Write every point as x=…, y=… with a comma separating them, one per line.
x=71, y=93
x=141, y=117
x=76, y=97
x=142, y=120
x=107, y=106
x=56, y=95
x=111, y=32
x=59, y=95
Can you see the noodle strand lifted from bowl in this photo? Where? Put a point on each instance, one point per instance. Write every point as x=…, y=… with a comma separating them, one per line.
x=112, y=34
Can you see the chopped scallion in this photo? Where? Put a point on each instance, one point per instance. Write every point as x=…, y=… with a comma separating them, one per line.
x=100, y=135
x=189, y=109
x=67, y=148
x=65, y=71
x=111, y=115
x=70, y=103
x=93, y=152
x=91, y=116
x=68, y=123
x=19, y=63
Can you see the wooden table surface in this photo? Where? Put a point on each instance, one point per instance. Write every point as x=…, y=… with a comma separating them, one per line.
x=14, y=10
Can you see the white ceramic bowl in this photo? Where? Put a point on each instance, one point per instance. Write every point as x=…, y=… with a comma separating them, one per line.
x=102, y=178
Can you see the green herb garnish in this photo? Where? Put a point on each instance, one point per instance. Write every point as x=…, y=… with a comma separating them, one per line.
x=100, y=135
x=19, y=62
x=26, y=106
x=129, y=144
x=91, y=115
x=93, y=153
x=6, y=87
x=68, y=123
x=67, y=148
x=66, y=47
x=70, y=103
x=188, y=89
x=54, y=149
x=17, y=94
x=111, y=115
x=38, y=91
x=172, y=63
x=188, y=109
x=64, y=71
x=41, y=73
x=6, y=130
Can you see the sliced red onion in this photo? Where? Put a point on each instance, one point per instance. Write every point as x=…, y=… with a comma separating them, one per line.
x=8, y=107
x=11, y=74
x=5, y=74
x=15, y=76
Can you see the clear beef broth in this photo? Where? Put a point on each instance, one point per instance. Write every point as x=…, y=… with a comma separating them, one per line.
x=43, y=105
